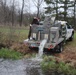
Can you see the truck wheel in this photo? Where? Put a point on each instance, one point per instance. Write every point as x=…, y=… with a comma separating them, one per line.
x=72, y=37
x=59, y=48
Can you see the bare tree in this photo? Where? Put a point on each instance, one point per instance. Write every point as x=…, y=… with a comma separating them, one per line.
x=74, y=13
x=57, y=9
x=3, y=5
x=28, y=10
x=13, y=8
x=5, y=11
x=21, y=17
x=38, y=4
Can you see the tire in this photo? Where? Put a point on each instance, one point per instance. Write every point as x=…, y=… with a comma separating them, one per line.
x=59, y=48
x=72, y=37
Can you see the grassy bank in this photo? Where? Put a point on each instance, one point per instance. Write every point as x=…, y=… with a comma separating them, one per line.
x=11, y=43
x=10, y=54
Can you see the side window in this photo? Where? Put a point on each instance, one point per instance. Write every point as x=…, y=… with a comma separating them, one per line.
x=69, y=26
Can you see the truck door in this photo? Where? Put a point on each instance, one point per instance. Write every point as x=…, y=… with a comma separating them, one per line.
x=69, y=31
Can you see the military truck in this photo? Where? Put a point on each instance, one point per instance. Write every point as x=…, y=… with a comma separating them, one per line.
x=55, y=32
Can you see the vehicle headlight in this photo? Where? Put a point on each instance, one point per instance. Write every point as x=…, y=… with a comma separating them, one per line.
x=46, y=36
x=34, y=35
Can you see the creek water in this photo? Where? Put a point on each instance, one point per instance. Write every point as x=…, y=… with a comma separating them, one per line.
x=23, y=66
x=20, y=67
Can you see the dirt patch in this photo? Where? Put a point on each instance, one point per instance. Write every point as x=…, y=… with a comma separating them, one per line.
x=69, y=54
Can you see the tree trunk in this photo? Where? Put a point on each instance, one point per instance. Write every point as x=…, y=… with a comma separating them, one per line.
x=57, y=9
x=38, y=12
x=13, y=13
x=21, y=18
x=5, y=13
x=75, y=14
x=65, y=10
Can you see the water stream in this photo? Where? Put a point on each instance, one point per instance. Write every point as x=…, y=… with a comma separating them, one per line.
x=41, y=48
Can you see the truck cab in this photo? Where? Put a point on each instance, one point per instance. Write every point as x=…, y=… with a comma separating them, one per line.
x=69, y=30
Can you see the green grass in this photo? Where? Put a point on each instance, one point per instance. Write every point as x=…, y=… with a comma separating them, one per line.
x=74, y=39
x=15, y=30
x=10, y=54
x=15, y=34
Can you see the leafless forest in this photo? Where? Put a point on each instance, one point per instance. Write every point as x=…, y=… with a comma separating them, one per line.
x=14, y=12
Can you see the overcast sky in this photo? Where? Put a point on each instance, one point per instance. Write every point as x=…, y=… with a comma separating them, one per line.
x=31, y=5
